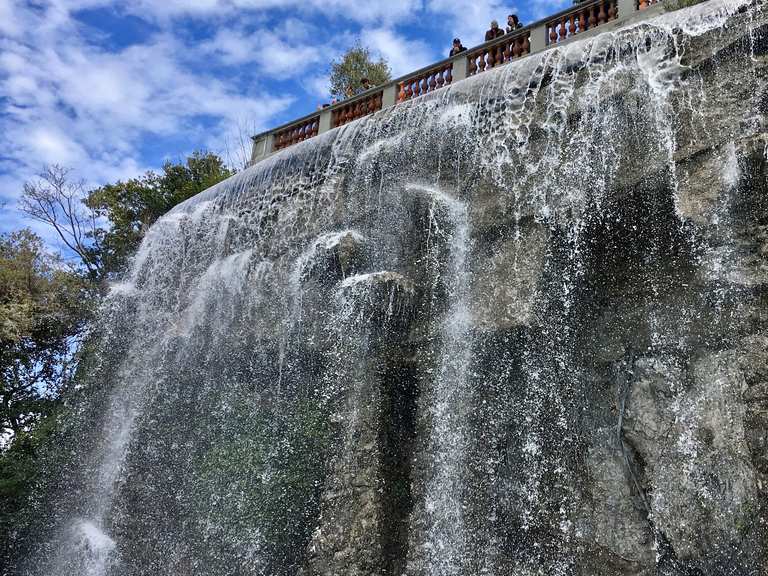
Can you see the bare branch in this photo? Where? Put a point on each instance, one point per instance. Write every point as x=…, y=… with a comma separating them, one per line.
x=58, y=202
x=238, y=153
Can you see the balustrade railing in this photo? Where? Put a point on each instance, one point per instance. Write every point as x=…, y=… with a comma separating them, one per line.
x=356, y=109
x=508, y=47
x=297, y=132
x=424, y=82
x=580, y=19
x=533, y=38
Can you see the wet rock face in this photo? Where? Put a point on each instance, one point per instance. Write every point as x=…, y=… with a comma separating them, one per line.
x=517, y=327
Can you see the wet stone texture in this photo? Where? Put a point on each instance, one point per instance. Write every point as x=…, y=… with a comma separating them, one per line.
x=515, y=327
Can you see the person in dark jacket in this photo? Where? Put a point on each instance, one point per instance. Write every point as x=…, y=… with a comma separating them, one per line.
x=513, y=23
x=365, y=84
x=457, y=48
x=494, y=32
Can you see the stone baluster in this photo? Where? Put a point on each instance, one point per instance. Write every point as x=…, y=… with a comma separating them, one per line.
x=601, y=15
x=592, y=17
x=612, y=10
x=582, y=20
x=571, y=25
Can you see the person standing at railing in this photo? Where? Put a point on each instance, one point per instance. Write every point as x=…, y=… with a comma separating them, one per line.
x=365, y=84
x=494, y=32
x=513, y=23
x=457, y=48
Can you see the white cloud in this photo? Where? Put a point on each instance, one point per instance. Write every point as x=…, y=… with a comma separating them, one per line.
x=365, y=12
x=319, y=86
x=403, y=55
x=469, y=19
x=77, y=104
x=9, y=22
x=68, y=97
x=269, y=50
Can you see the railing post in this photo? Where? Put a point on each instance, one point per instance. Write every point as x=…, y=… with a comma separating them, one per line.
x=627, y=7
x=460, y=65
x=262, y=146
x=539, y=38
x=389, y=97
x=325, y=120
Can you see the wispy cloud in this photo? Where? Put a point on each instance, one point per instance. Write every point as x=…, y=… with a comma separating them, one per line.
x=402, y=54
x=111, y=88
x=75, y=103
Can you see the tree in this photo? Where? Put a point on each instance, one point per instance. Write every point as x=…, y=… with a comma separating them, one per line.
x=43, y=311
x=46, y=303
x=44, y=307
x=131, y=207
x=355, y=65
x=56, y=200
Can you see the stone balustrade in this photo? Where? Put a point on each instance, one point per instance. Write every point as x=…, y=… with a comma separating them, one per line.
x=581, y=18
x=421, y=83
x=501, y=51
x=297, y=132
x=578, y=20
x=355, y=108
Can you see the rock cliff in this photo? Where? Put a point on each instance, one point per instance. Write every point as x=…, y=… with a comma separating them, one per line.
x=513, y=327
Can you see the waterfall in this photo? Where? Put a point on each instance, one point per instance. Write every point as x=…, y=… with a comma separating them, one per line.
x=447, y=408
x=513, y=327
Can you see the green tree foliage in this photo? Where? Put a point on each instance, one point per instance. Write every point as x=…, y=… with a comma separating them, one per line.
x=131, y=207
x=355, y=65
x=46, y=302
x=44, y=307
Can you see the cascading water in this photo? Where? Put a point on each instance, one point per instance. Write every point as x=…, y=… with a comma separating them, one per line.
x=447, y=404
x=516, y=326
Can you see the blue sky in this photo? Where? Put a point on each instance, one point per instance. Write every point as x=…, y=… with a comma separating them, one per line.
x=112, y=88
